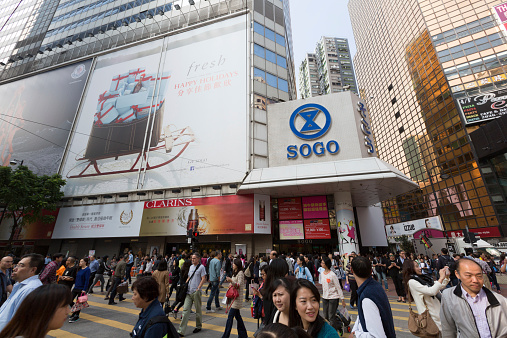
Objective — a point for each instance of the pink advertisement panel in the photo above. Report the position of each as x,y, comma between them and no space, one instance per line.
291,230
315,207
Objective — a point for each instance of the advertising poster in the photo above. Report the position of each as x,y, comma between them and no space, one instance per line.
168,113
317,229
315,207
262,214
290,208
291,230
491,232
95,221
36,230
232,214
410,227
484,107
36,116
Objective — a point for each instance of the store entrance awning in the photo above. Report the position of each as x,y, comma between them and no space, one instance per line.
369,180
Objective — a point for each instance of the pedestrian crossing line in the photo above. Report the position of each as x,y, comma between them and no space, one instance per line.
400,329
114,307
63,334
394,317
108,322
128,300
212,327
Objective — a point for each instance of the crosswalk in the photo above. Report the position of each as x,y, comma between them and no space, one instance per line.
121,318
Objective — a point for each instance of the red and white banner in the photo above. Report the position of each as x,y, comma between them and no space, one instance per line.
489,232
317,229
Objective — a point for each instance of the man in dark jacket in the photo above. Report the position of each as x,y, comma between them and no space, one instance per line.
146,297
373,304
119,276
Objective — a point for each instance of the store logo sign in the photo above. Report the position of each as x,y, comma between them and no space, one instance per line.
311,130
78,71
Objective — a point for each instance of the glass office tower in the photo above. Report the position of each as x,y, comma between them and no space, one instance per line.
415,59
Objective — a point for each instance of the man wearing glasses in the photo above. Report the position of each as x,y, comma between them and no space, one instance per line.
5,281
394,271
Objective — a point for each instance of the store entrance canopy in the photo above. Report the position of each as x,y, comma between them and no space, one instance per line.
369,180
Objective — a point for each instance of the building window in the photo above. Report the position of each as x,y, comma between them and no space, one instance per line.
397,115
270,34
401,129
270,56
271,80
258,28
259,75
393,101
280,40
390,87
259,51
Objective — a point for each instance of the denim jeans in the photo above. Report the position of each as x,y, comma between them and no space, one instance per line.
235,313
382,276
213,294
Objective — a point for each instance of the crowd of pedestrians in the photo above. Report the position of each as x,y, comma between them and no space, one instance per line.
454,290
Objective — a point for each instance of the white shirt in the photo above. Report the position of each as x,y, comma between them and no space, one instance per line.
372,319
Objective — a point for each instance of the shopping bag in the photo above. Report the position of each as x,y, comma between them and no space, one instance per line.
123,288
79,306
347,287
344,315
83,298
224,301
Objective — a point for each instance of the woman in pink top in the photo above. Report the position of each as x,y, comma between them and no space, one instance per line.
331,293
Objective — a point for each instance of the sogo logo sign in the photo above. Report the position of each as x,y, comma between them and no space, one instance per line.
311,130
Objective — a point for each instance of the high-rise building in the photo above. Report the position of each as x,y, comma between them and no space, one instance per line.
145,100
418,64
328,70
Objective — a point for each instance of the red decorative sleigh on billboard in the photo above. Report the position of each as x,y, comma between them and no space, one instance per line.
129,121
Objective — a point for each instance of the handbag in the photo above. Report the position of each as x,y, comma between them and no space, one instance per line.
122,288
422,325
79,306
347,287
247,271
83,298
231,295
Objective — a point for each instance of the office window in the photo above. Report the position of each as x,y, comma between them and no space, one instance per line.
259,75
258,28
271,80
270,34
283,85
281,61
280,40
270,56
259,51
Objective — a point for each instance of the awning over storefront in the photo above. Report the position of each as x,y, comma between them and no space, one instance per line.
369,180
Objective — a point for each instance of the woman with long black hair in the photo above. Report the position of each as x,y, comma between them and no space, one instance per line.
422,290
178,303
304,310
44,309
278,268
175,277
237,280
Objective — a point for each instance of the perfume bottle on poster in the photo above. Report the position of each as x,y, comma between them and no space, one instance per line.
262,210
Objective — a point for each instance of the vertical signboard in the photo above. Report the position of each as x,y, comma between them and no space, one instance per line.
36,116
262,214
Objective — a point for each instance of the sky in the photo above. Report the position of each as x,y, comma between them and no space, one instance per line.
316,18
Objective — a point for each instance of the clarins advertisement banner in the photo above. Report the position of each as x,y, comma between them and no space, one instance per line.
105,220
291,230
36,116
233,214
410,227
168,113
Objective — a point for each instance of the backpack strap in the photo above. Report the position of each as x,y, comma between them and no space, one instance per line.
170,330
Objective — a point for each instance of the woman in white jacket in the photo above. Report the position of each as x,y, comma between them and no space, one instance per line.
422,289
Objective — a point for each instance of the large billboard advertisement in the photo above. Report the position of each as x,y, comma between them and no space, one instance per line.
233,214
95,221
484,107
36,116
169,113
35,230
410,227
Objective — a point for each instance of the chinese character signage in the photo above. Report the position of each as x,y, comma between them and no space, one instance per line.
94,221
290,208
315,207
291,230
317,229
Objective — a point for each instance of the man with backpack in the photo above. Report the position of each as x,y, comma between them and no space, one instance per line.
446,260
